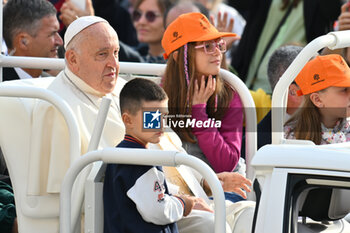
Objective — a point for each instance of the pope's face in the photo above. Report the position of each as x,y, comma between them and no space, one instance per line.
97,57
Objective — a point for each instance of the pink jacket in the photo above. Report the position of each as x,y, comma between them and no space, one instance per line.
221,146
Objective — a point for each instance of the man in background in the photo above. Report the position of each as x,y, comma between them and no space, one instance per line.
30,29
279,61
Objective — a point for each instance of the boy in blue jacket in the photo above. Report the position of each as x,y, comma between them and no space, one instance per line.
136,197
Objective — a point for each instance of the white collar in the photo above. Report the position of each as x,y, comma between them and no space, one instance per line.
93,96
22,74
81,84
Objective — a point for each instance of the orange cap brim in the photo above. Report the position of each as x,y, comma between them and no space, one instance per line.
207,37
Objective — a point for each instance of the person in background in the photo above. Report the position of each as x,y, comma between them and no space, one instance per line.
3,47
148,21
118,14
279,61
178,9
70,12
30,29
273,23
342,24
58,4
8,220
242,6
218,9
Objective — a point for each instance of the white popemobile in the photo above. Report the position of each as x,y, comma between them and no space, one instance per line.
299,187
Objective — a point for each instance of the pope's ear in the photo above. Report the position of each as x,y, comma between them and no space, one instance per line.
72,61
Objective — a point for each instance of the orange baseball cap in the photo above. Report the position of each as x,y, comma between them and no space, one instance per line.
322,72
190,27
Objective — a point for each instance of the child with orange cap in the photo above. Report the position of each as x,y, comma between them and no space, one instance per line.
325,84
194,49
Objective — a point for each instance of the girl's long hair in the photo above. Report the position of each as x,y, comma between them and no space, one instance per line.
306,122
175,85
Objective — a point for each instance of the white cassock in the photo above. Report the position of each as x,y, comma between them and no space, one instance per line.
50,140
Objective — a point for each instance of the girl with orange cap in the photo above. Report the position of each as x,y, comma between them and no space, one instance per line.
322,118
194,49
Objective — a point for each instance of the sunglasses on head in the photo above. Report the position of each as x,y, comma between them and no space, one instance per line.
150,15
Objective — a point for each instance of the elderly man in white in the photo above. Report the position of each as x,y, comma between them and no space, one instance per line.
91,72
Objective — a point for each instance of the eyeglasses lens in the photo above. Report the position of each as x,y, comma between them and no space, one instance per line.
210,46
136,15
150,16
222,46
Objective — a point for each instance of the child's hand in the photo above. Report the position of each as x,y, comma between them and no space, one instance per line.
189,203
202,94
200,204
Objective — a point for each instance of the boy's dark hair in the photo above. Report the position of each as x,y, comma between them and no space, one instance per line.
138,90
24,16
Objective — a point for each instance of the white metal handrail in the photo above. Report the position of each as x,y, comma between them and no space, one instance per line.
141,157
250,119
158,70
332,40
59,63
93,145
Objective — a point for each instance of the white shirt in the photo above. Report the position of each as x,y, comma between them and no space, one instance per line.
22,74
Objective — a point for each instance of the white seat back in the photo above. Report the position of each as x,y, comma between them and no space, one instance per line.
34,213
